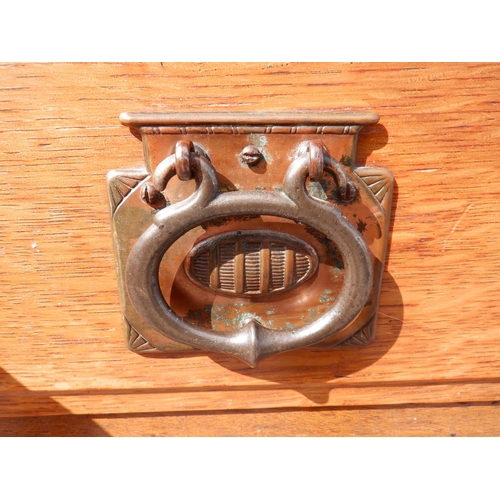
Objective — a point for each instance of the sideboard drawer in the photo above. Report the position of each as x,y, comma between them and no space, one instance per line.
434,367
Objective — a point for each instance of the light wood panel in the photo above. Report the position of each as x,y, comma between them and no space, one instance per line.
438,337
433,420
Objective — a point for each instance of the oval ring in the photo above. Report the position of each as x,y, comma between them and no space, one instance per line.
252,341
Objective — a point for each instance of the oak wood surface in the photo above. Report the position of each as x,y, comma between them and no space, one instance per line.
438,337
432,420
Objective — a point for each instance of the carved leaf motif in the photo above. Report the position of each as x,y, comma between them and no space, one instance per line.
364,336
379,183
135,341
122,182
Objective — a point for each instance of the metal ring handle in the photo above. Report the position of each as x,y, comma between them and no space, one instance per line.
253,341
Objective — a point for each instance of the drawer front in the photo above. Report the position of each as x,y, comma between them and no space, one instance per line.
437,342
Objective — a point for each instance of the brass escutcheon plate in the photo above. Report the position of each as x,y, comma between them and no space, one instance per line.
249,234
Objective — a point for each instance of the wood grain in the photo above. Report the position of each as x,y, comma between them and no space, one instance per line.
62,345
433,420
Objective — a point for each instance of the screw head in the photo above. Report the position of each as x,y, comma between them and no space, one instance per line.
251,155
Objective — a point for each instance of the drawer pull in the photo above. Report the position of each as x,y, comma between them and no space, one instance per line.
249,234
253,340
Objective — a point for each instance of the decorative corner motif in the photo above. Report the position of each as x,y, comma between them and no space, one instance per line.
121,183
362,337
379,182
135,341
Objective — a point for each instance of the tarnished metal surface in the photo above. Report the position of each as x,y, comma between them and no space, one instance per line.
216,264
